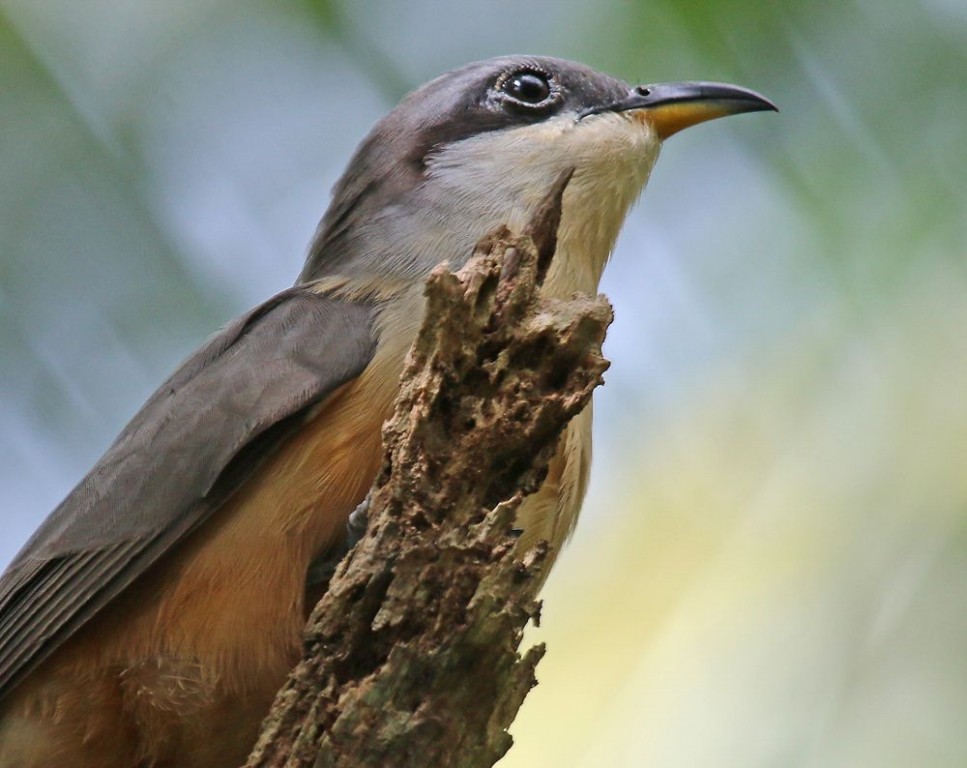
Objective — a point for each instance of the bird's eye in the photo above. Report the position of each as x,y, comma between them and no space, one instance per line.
528,87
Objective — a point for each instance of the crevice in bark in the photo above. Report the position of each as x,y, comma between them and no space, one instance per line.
412,655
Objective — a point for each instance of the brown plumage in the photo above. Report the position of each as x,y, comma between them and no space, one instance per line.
180,670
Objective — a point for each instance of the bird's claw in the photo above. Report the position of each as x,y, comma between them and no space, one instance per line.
323,567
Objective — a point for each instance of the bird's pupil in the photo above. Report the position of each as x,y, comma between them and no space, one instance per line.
529,86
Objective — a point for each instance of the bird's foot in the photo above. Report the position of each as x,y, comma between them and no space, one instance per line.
358,523
323,567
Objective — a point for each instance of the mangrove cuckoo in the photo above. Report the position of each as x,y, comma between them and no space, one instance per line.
153,615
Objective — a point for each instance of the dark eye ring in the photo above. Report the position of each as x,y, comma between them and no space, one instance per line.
528,87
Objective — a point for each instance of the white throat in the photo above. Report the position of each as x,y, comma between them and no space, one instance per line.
502,177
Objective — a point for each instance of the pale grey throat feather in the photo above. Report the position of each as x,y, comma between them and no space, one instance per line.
498,178
451,162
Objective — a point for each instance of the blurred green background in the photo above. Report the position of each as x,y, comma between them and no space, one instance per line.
771,569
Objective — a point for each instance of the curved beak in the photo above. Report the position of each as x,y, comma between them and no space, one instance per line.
670,107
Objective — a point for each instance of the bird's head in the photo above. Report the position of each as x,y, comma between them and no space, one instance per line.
480,146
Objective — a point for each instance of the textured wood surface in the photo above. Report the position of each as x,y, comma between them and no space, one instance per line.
412,656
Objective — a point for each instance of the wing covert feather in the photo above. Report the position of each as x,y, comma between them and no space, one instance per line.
190,446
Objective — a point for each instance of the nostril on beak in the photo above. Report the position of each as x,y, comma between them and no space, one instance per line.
642,90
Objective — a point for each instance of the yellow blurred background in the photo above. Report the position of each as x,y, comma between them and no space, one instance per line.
771,569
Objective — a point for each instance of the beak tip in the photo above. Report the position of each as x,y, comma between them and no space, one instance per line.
752,101
768,105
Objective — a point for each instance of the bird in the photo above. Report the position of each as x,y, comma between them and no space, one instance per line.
150,619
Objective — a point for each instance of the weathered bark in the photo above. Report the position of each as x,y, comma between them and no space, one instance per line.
411,657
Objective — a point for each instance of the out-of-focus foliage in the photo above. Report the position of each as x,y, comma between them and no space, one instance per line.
772,566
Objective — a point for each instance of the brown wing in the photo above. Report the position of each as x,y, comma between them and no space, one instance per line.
193,443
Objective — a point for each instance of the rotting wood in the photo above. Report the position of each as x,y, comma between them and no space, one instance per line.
412,655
